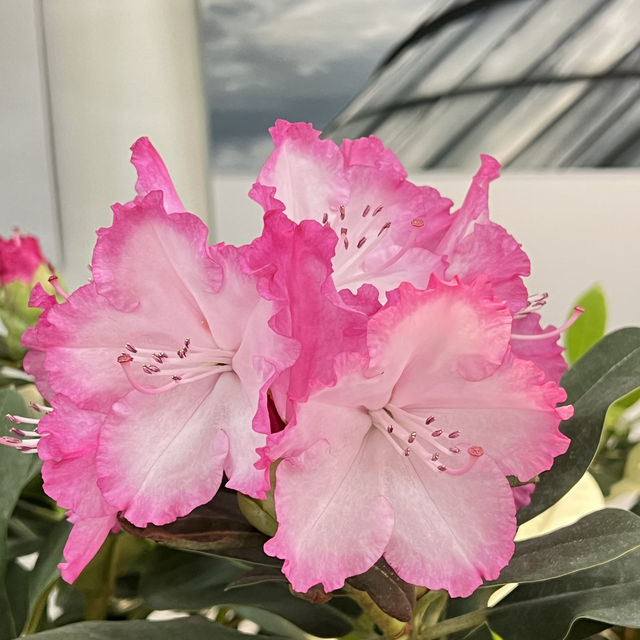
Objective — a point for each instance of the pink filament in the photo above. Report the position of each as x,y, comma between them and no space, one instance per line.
577,312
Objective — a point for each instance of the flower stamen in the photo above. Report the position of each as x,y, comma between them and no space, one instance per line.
577,312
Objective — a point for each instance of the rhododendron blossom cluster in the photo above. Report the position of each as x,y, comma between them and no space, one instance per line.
381,350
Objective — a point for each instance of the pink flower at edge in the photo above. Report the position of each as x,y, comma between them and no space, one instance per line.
20,257
391,231
411,470
167,356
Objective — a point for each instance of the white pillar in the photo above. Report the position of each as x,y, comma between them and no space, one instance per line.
118,70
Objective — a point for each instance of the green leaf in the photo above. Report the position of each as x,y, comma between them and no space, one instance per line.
216,528
192,582
192,628
604,374
393,595
608,594
595,539
589,327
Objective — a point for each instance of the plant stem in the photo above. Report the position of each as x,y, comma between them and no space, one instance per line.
390,627
459,623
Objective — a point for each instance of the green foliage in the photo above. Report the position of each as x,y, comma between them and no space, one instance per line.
589,327
604,374
595,539
192,628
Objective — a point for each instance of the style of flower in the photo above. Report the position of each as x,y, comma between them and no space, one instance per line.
406,456
20,257
160,366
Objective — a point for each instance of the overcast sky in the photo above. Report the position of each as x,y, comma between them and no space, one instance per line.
292,59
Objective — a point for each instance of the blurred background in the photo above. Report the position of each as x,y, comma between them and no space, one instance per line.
549,87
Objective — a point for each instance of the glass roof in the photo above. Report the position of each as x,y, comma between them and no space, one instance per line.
536,83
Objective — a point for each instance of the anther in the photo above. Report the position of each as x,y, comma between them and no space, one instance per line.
412,437
325,218
130,347
377,210
187,342
441,467
384,227
454,449
176,378
124,358
12,418
407,451
342,212
346,242
390,429
435,456
182,353
157,358
366,211
436,433
361,241
40,407
454,434
429,420
150,368
343,231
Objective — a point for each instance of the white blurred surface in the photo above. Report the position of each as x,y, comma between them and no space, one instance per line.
113,71
578,227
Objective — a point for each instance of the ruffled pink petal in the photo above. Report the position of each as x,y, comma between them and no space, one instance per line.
85,539
308,173
512,415
68,448
333,520
153,175
474,209
294,265
546,354
162,455
489,250
444,334
80,340
522,495
450,532
158,262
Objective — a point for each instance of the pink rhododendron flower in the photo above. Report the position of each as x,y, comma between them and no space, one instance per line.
160,366
391,231
406,456
20,257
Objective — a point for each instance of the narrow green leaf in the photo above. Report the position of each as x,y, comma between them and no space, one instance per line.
604,374
589,327
192,628
608,593
595,539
